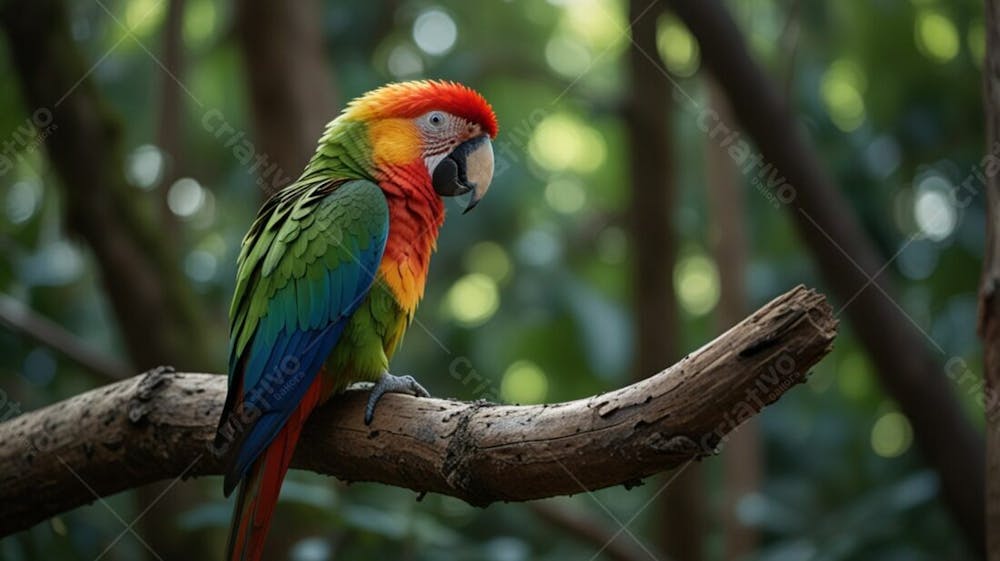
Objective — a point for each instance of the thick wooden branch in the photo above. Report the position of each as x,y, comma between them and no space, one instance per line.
160,425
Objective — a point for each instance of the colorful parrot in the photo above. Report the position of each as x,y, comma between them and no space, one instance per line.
331,271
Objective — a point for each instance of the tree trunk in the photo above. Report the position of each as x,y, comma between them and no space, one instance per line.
157,313
909,372
741,459
989,302
290,84
679,524
158,316
171,106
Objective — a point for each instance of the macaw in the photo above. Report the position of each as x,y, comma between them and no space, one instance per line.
331,272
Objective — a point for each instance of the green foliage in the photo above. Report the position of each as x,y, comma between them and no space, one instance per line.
890,97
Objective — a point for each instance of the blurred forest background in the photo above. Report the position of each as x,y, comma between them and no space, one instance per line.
620,234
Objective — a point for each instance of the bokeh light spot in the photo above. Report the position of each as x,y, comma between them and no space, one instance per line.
144,167
936,36
404,62
932,209
841,90
524,382
473,299
185,197
201,265
567,56
199,22
538,247
490,259
697,284
143,16
23,200
565,195
564,143
891,435
435,32
677,47
854,377
597,22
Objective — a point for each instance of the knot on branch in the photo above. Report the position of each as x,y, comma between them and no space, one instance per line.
462,450
678,445
151,383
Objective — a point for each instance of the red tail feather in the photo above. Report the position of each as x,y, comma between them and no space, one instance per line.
258,493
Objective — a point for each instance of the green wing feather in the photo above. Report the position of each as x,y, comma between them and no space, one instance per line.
305,265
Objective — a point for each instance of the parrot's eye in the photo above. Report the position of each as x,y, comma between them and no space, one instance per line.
436,118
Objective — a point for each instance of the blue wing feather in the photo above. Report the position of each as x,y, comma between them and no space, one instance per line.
306,315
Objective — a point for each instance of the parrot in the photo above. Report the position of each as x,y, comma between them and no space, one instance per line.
330,273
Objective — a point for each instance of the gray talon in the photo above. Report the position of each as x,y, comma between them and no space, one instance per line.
392,384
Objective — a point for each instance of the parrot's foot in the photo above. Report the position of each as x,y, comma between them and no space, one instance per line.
392,384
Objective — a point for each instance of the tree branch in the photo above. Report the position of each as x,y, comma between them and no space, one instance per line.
161,425
23,320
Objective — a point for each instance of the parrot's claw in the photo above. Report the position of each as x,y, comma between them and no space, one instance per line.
392,384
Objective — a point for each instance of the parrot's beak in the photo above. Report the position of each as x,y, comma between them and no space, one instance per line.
468,168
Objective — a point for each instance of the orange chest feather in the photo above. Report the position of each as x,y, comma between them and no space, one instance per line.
414,221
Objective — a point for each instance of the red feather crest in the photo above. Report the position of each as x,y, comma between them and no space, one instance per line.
412,99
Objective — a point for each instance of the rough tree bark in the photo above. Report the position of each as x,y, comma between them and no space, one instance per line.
908,370
741,462
290,85
989,300
680,520
161,425
142,276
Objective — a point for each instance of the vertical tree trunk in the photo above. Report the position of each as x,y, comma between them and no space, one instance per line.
989,300
171,105
159,317
908,370
290,83
741,459
654,255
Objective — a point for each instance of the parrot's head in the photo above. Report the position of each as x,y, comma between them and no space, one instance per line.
438,127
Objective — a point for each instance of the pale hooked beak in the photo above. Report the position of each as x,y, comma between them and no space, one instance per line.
469,167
